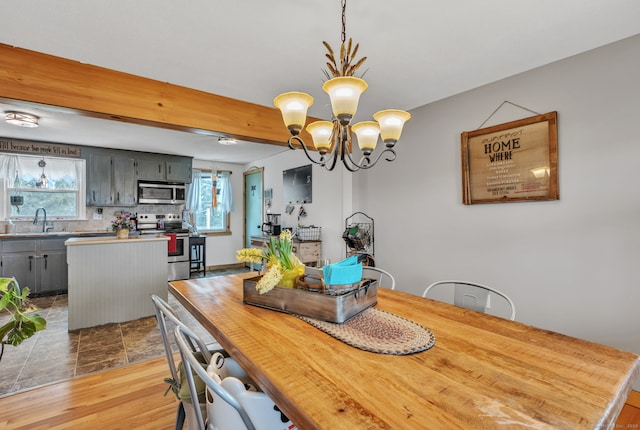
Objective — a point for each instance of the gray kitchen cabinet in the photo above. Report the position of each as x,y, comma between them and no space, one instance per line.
112,174
164,168
99,179
40,264
124,181
18,261
151,169
111,179
179,170
52,269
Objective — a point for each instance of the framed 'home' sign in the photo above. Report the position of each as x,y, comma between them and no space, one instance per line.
512,162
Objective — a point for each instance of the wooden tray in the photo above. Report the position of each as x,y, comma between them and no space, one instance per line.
331,308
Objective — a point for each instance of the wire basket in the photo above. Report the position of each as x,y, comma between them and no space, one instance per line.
358,236
309,233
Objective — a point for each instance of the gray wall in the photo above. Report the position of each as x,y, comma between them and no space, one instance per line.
570,265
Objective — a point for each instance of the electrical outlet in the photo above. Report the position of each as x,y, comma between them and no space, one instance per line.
97,216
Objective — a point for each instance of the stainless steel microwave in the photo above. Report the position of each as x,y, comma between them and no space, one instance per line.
169,193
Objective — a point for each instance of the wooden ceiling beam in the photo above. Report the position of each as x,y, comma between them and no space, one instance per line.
33,77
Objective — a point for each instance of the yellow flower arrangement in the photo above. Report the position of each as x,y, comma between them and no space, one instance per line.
280,262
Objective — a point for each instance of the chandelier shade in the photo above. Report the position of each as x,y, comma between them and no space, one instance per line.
321,132
367,132
294,106
391,122
332,139
344,93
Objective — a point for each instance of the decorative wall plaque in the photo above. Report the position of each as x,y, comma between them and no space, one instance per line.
511,162
38,148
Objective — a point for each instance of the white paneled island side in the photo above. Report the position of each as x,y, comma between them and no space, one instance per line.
112,280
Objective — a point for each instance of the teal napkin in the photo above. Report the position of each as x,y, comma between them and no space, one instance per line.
347,271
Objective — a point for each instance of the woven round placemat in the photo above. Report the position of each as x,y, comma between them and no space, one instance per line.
378,331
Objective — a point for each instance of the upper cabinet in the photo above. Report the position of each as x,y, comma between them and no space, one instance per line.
124,181
99,180
151,169
164,168
179,170
112,175
111,179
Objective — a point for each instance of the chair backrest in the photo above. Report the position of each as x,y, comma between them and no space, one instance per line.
384,278
472,296
165,313
166,316
185,338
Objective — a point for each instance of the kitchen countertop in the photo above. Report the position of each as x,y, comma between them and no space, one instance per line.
265,238
41,235
112,239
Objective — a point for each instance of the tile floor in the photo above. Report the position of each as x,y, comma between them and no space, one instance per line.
55,354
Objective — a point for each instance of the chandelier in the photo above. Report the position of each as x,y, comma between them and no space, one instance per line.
332,139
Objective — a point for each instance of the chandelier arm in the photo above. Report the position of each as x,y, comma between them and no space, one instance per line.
304,147
353,163
347,161
330,164
390,157
350,165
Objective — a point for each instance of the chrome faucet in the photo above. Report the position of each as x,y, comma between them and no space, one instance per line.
44,221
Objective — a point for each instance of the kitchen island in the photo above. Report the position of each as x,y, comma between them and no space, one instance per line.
111,280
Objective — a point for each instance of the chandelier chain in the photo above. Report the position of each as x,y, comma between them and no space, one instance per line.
344,21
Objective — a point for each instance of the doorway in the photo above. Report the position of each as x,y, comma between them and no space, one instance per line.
253,189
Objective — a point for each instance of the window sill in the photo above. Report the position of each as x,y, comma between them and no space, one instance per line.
214,233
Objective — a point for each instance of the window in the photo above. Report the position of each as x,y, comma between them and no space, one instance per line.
31,182
207,201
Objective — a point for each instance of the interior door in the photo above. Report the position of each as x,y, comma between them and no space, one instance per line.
253,189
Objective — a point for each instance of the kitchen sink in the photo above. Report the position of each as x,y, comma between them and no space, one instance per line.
57,233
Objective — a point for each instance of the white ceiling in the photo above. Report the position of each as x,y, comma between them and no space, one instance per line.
418,52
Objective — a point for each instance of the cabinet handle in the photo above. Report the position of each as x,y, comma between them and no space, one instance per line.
118,196
169,168
94,196
45,261
30,260
159,168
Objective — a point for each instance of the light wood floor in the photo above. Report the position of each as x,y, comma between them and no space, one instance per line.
131,397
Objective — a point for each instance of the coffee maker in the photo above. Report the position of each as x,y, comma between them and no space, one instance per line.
272,226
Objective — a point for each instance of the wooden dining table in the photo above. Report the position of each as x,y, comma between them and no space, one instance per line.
483,372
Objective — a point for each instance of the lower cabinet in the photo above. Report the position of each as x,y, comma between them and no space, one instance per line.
40,264
307,251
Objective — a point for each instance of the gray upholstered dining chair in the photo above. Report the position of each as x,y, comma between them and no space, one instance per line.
233,403
472,296
166,316
384,278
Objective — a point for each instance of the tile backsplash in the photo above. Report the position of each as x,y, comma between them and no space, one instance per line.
90,224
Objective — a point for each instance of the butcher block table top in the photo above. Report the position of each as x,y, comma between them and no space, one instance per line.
483,372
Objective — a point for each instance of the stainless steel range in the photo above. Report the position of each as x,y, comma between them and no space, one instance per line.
178,246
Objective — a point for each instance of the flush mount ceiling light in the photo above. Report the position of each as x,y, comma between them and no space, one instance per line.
332,139
227,141
21,119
